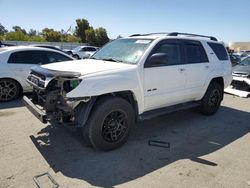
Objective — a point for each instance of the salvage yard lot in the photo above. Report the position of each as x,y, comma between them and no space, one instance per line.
204,151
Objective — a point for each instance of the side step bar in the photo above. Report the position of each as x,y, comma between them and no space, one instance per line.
166,110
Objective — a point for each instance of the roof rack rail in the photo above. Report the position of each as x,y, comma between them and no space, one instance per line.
190,34
147,34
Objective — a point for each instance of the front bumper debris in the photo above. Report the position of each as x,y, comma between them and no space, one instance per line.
35,110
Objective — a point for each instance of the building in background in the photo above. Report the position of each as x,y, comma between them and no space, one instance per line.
239,46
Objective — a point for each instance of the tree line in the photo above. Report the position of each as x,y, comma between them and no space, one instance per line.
82,32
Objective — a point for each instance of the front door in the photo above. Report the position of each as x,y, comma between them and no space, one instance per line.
165,84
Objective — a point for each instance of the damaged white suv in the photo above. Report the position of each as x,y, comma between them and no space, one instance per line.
138,77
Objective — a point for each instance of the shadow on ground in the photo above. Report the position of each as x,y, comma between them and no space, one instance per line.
12,104
190,134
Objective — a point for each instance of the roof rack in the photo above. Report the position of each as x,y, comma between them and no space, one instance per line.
147,34
176,34
190,34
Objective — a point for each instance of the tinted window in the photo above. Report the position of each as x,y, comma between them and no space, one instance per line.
172,50
83,50
219,50
56,57
195,52
89,49
27,57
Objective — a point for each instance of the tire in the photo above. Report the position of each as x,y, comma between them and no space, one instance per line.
211,101
9,90
109,124
76,56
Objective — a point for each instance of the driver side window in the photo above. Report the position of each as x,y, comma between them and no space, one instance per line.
172,51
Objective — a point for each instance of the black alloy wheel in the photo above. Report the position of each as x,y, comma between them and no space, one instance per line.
114,126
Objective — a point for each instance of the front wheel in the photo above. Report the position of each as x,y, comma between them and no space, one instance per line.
211,101
109,124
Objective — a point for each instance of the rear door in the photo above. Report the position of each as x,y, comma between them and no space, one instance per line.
197,67
21,62
165,84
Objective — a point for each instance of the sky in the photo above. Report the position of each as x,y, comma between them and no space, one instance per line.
228,20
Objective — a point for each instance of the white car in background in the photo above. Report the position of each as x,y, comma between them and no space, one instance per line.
15,64
82,52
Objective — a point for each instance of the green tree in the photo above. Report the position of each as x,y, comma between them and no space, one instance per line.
51,35
81,26
2,30
16,36
32,32
90,36
18,28
101,36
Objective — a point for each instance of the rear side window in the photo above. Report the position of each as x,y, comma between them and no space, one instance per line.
89,49
195,52
27,57
56,57
219,50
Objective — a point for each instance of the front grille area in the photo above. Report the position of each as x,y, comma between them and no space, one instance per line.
237,74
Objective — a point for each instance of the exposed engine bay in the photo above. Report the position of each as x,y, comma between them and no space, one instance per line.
49,93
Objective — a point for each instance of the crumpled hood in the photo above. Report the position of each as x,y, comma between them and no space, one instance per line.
242,69
86,66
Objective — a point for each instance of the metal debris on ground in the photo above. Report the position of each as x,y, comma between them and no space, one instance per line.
158,143
45,180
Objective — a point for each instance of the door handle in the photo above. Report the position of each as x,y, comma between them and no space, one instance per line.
181,69
207,67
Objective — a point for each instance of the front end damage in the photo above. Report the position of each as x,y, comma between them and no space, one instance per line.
48,101
240,85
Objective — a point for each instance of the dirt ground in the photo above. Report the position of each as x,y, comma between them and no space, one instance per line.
204,151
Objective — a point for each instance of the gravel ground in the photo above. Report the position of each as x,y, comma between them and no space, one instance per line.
204,151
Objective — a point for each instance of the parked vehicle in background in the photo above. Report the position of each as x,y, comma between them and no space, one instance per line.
82,52
15,64
138,77
240,85
47,46
234,59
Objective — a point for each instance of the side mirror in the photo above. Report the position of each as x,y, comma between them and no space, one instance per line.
157,59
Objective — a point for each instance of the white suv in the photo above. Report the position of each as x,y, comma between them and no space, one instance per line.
137,77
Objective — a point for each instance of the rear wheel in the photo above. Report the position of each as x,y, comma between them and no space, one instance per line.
109,124
9,89
211,101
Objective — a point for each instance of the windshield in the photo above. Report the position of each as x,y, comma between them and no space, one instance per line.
245,61
123,50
